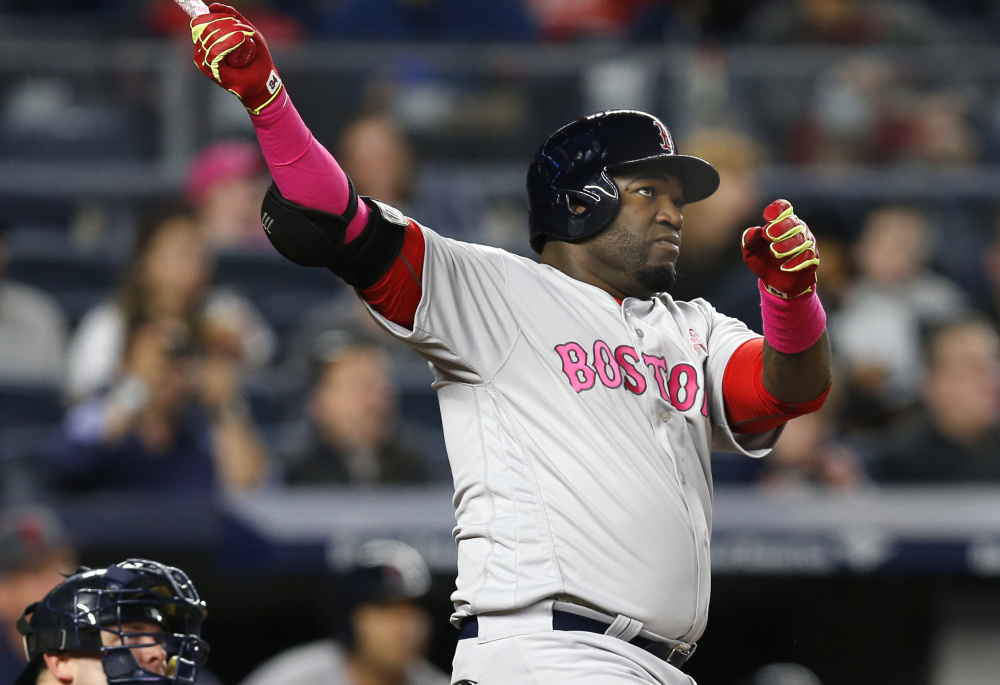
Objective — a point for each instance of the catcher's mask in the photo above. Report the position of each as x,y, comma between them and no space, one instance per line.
110,601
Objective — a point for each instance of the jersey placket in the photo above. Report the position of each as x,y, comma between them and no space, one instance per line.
647,340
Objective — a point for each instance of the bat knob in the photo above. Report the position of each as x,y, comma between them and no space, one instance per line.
243,55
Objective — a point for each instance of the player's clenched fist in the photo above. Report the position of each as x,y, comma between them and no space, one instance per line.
225,31
783,252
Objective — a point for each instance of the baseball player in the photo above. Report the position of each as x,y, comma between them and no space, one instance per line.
580,402
378,630
137,622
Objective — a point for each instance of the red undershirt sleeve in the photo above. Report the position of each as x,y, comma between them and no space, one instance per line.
750,408
397,294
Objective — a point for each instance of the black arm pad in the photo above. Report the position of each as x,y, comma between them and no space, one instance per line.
364,260
310,237
306,236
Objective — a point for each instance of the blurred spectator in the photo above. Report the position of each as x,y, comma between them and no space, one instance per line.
877,331
33,331
954,437
428,20
988,295
378,155
711,264
566,20
167,274
35,551
865,112
844,22
225,184
175,421
379,632
350,430
940,133
852,103
344,311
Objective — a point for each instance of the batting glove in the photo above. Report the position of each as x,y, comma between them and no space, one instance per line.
782,253
224,32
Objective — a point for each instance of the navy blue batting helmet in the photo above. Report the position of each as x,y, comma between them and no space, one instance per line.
573,165
90,604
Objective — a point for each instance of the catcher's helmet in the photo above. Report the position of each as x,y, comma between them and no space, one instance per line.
73,616
574,164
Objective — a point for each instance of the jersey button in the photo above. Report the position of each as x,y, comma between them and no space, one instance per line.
639,332
664,416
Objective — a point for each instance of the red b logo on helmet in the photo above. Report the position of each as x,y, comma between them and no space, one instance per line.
666,142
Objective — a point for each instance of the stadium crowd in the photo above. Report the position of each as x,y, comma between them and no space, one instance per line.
181,352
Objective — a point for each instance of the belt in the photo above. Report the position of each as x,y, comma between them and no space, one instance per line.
675,653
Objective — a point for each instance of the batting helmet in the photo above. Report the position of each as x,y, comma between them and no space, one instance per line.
574,165
75,614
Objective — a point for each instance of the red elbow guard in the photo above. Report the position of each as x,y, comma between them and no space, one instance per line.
750,408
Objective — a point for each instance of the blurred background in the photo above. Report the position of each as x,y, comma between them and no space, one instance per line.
170,387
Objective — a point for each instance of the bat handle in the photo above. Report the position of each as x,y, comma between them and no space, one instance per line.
238,58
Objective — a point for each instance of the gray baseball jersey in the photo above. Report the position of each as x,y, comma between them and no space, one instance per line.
579,432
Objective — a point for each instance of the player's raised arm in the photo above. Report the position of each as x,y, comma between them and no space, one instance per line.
796,354
311,213
788,373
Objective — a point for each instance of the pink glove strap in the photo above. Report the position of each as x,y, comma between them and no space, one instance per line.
791,326
304,171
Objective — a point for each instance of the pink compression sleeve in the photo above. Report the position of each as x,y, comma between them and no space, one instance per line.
304,171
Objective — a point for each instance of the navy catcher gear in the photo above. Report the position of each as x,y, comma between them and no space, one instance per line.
573,165
73,616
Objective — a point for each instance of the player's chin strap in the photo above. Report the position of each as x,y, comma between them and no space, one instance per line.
310,237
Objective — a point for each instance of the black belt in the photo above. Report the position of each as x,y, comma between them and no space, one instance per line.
564,620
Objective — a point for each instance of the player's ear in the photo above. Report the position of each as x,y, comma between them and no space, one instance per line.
61,666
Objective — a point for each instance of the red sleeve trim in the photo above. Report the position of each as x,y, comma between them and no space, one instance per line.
397,294
750,408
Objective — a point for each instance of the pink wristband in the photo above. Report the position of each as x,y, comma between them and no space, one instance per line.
794,325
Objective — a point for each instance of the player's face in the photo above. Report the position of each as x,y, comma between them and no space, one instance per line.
142,639
638,252
390,635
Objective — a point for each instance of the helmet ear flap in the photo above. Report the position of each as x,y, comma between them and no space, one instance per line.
579,201
599,201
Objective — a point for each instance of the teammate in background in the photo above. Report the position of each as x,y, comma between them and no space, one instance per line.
580,402
136,621
35,555
378,630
